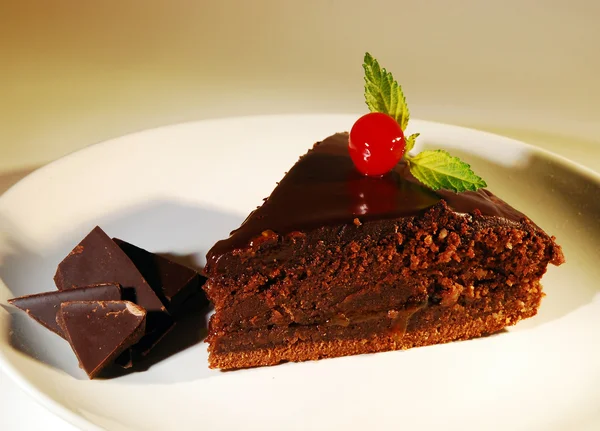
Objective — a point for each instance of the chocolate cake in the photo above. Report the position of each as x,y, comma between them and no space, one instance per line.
335,263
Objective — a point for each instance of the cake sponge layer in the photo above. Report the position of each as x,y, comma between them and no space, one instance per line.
378,266
394,330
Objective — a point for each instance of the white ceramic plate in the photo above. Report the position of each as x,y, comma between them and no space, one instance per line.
178,189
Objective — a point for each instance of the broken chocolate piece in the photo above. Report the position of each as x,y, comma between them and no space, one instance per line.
44,307
98,259
99,331
172,282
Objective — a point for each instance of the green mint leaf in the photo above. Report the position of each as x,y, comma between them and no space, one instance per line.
410,142
382,92
439,170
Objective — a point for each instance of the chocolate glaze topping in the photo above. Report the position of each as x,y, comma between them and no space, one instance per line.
324,188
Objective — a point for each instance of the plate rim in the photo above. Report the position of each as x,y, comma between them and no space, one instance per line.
59,409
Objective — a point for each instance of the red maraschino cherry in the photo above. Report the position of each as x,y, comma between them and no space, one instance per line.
376,144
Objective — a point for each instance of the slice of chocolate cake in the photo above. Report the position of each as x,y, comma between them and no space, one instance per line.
335,263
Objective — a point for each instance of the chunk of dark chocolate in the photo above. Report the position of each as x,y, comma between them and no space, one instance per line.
98,259
172,282
99,331
44,307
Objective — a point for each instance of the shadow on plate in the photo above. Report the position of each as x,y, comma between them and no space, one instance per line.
189,330
182,232
189,260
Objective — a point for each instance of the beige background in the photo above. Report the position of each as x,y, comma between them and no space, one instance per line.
75,72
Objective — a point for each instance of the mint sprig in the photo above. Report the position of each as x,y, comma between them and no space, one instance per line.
382,92
439,170
410,141
436,169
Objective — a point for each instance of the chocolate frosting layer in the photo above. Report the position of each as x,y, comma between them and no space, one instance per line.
324,188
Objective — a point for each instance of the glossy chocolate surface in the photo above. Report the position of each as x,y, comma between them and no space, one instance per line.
324,189
99,331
